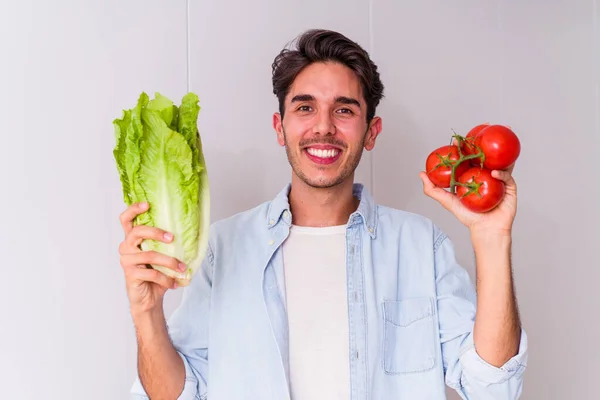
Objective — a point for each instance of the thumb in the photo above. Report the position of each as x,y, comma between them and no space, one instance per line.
442,196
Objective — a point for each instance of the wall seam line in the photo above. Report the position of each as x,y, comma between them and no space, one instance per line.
596,44
187,45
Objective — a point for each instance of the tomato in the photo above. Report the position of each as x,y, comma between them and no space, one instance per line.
500,145
484,192
439,165
475,131
468,146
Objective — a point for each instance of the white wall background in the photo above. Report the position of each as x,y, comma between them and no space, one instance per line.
68,68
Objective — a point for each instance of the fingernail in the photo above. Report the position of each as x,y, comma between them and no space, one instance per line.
168,236
143,205
182,266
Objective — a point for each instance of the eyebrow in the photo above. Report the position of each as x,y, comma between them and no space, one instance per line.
347,100
339,99
303,97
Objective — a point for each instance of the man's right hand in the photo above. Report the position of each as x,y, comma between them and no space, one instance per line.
146,286
161,370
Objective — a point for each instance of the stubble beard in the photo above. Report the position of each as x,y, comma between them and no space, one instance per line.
321,183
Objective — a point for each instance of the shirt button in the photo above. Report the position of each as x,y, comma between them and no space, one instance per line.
271,222
371,229
271,242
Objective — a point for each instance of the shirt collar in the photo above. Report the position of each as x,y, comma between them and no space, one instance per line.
366,213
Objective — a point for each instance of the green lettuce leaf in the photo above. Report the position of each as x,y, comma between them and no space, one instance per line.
159,158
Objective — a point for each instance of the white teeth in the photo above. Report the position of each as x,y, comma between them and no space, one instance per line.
323,153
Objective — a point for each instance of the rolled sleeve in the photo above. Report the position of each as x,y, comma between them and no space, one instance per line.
190,389
477,369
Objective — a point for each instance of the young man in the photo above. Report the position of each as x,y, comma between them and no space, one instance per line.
320,293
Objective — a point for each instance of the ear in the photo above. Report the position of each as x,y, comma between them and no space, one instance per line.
374,131
278,126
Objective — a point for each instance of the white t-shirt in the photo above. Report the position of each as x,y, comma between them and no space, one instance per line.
315,278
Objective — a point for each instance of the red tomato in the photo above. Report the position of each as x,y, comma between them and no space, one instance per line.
468,147
439,165
485,191
500,145
473,132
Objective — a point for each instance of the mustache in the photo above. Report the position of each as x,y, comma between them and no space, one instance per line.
329,141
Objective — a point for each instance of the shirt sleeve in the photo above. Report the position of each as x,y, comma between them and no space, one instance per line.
465,371
188,331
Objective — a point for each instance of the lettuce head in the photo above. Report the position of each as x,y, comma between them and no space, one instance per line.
159,158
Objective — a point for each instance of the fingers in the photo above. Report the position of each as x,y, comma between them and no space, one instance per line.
142,232
129,215
509,182
140,275
135,260
504,176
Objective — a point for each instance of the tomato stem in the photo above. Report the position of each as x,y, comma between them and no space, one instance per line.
462,158
473,188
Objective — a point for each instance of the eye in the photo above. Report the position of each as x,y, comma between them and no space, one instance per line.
345,111
304,108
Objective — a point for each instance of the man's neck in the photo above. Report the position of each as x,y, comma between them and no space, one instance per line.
322,207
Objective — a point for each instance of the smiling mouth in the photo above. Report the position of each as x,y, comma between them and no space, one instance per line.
323,156
323,153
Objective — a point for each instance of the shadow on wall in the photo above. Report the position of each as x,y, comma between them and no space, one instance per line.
246,179
398,158
538,264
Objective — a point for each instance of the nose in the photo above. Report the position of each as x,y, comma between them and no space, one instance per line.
324,124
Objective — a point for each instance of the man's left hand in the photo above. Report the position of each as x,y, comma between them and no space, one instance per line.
497,221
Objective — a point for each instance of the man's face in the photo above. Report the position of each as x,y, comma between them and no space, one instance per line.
324,128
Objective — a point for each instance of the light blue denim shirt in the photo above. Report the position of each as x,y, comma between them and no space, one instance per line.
411,310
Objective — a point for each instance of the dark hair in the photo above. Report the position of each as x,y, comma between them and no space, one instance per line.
320,45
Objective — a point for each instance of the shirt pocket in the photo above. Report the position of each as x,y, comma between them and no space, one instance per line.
409,335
